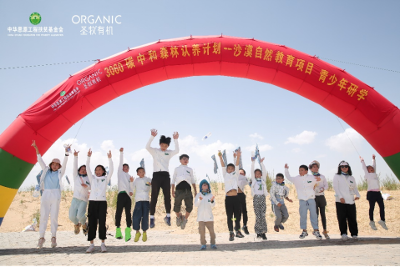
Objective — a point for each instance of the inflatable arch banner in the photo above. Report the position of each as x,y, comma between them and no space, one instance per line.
358,104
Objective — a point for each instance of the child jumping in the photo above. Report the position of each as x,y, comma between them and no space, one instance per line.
232,201
242,182
305,184
51,183
320,200
97,211
374,193
204,202
182,178
140,215
80,198
279,192
259,192
345,188
124,200
161,177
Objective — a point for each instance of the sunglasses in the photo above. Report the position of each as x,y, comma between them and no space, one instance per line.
344,166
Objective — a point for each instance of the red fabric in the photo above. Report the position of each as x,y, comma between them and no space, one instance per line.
47,119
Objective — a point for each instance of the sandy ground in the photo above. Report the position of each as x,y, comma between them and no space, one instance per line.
24,206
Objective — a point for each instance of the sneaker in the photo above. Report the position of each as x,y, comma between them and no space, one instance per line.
383,224
281,227
152,223
276,228
245,230
178,221
325,233
144,238
213,246
53,242
345,237
231,236
127,234
118,234
85,229
103,247
355,238
264,237
90,249
239,234
317,235
184,221
203,247
167,220
77,229
372,224
137,236
40,243
303,235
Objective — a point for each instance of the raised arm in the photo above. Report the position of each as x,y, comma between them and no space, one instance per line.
65,161
148,147
222,163
88,170
176,150
121,161
287,174
252,170
75,168
374,162
364,167
110,166
39,157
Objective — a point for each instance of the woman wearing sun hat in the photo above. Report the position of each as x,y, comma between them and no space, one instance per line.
51,183
345,188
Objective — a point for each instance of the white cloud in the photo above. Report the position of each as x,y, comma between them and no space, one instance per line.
256,135
343,142
305,137
264,148
296,150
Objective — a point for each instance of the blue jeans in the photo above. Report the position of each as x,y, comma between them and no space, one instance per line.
77,211
141,213
311,206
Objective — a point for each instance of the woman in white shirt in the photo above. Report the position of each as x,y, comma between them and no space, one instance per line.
345,188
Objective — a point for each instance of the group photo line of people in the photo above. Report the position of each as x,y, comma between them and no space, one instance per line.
88,208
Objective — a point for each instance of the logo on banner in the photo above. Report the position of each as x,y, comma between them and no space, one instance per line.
35,18
99,25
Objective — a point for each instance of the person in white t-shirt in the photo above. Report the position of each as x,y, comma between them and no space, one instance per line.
374,193
205,201
161,178
140,216
345,188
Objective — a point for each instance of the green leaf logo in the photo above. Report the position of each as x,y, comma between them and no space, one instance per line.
62,93
308,181
166,154
35,18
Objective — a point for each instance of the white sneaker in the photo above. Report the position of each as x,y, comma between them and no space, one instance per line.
40,243
103,247
383,224
345,237
355,238
317,235
90,249
303,235
53,242
372,224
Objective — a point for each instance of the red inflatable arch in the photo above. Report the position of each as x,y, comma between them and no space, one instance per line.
359,105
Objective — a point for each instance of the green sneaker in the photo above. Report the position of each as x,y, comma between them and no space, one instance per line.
144,238
127,234
137,236
118,234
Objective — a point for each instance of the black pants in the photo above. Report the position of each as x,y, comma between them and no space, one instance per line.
160,180
232,207
320,203
124,201
97,211
373,197
243,208
347,214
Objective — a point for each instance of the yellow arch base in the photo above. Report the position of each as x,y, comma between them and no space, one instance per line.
6,197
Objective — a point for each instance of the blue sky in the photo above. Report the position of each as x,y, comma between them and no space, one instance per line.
238,112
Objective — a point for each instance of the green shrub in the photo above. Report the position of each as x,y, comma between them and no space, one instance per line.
390,183
362,185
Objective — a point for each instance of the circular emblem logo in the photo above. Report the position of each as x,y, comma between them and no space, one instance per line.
62,93
35,18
